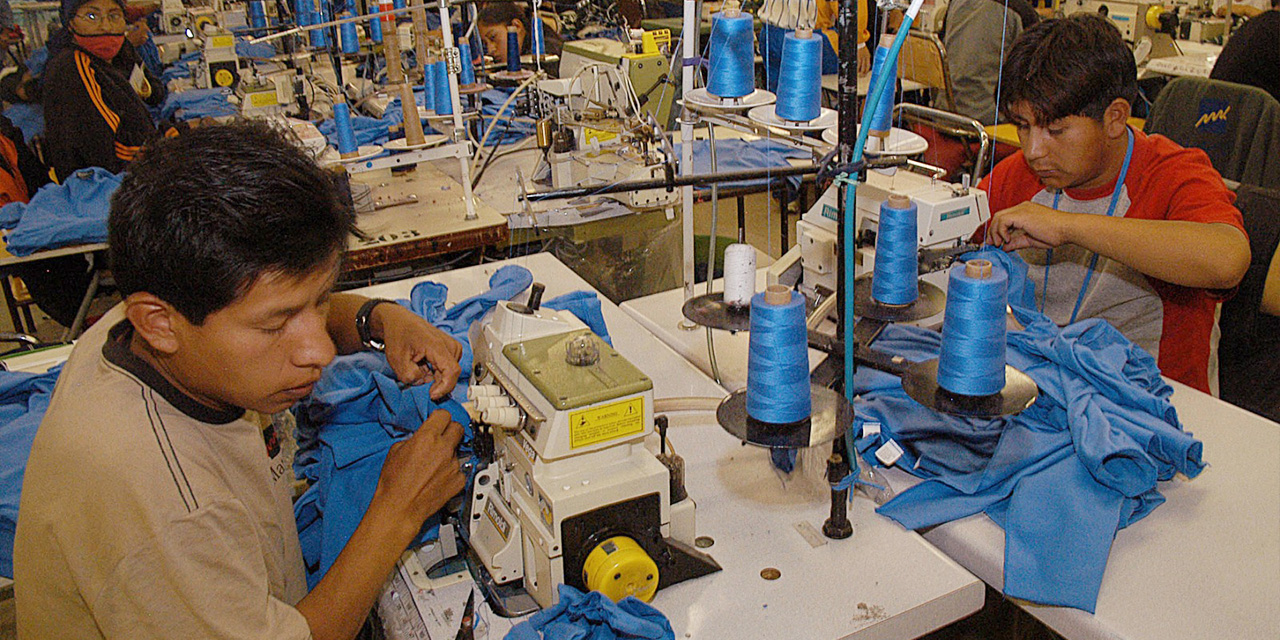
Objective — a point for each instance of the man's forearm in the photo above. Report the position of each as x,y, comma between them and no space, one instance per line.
1192,254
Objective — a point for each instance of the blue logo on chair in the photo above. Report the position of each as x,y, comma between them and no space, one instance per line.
1213,115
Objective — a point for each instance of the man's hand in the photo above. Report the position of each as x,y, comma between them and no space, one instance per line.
1029,226
421,474
864,60
416,350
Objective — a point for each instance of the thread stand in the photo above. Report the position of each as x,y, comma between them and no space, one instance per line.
702,100
930,302
710,310
920,381
831,415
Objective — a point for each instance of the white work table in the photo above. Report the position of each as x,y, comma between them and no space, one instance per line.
884,582
1204,564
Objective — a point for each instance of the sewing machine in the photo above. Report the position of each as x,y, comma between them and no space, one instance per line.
573,491
174,19
601,59
948,216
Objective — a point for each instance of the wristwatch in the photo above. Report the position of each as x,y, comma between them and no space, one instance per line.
362,324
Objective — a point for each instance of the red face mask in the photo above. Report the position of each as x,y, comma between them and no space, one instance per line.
104,46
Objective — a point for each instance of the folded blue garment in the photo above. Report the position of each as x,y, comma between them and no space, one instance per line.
368,130
358,410
74,212
197,103
262,50
737,155
1061,477
24,397
592,616
29,117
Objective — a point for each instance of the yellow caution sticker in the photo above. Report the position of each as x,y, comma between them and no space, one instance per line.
263,99
598,135
601,424
216,42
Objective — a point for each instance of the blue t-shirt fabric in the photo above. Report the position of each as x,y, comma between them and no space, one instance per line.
1062,477
24,398
593,616
60,215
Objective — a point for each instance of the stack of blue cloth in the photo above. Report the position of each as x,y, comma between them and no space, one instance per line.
1062,477
193,104
24,398
358,411
59,215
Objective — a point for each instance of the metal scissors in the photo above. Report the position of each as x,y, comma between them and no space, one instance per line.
467,630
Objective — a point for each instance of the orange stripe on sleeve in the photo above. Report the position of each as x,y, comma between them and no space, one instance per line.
90,80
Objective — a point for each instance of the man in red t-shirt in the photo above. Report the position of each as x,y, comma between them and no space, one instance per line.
1114,224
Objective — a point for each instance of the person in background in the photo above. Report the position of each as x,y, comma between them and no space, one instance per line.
495,17
976,34
174,519
1243,8
1252,55
1114,224
780,17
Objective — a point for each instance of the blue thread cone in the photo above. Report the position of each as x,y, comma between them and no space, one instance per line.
881,65
778,362
468,66
971,361
731,73
444,99
513,51
346,135
896,276
347,35
800,79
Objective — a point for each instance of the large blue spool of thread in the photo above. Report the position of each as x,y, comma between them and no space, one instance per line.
429,85
778,358
258,14
800,79
375,27
881,120
539,42
302,10
320,37
399,4
732,53
444,99
513,50
347,35
972,358
346,135
468,68
895,279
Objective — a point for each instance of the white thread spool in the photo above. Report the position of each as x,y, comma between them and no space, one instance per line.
739,274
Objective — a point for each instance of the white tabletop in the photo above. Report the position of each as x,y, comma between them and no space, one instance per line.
884,582
1204,564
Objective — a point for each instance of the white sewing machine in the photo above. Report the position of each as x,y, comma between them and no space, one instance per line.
948,214
575,492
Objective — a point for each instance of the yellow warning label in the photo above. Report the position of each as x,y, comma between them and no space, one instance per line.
263,99
601,424
599,135
217,41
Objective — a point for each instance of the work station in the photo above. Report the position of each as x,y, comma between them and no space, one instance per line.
681,319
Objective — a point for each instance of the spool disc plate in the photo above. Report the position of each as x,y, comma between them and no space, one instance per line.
901,142
402,144
700,100
710,310
366,151
764,115
475,87
921,383
434,118
930,302
831,415
511,76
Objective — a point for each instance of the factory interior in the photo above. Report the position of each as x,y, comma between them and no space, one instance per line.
661,319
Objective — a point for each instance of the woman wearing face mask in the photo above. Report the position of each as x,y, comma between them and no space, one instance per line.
94,106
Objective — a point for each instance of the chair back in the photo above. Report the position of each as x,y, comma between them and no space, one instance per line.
1249,349
1237,125
923,59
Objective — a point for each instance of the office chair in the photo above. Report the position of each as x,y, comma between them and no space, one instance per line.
1249,349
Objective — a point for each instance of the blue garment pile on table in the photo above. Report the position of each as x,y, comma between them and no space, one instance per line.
246,49
737,155
24,397
29,117
1062,477
358,410
593,616
198,103
180,68
59,215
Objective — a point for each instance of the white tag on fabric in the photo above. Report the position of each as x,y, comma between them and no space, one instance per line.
889,453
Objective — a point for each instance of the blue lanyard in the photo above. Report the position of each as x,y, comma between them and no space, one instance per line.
1093,262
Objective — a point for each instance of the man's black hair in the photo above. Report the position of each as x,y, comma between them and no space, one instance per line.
200,217
1073,66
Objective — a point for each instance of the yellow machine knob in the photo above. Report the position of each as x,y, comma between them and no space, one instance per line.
1153,16
618,567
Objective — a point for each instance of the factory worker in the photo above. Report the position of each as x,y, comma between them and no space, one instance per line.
154,504
1115,224
494,19
1252,55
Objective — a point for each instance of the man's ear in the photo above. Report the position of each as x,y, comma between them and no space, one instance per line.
1115,119
154,320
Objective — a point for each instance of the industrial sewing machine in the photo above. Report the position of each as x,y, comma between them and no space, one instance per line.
575,490
948,214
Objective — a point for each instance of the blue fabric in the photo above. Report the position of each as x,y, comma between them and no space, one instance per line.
198,103
593,616
150,55
1061,477
29,117
24,397
181,68
262,50
736,155
74,212
358,410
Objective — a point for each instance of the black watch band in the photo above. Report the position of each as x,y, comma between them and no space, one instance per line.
362,324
